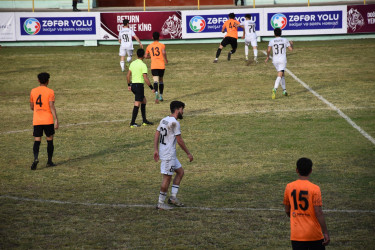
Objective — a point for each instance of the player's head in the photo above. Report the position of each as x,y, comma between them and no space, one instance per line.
277,32
232,15
177,105
125,22
43,78
248,16
156,35
304,166
140,53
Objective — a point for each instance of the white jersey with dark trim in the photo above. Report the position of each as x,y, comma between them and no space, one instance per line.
279,45
249,29
126,37
169,128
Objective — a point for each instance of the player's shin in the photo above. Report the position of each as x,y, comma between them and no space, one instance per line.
36,149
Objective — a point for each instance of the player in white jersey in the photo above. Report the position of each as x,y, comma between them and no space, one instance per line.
278,46
166,136
125,38
250,36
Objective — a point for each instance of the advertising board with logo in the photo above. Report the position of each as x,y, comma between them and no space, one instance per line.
57,26
307,20
208,24
7,27
361,18
167,23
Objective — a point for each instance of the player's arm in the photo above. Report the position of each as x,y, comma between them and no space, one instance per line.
156,145
128,77
32,106
223,29
54,114
165,56
147,54
320,216
268,53
291,46
147,81
181,143
139,41
287,210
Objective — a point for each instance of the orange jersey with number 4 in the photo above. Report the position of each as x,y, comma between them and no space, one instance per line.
232,30
302,196
155,50
41,96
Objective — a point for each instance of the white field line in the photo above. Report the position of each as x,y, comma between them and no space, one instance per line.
333,107
153,206
205,114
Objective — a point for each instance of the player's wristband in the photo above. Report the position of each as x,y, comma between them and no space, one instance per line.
152,88
129,84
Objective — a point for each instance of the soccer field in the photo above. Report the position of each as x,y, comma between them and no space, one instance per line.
104,190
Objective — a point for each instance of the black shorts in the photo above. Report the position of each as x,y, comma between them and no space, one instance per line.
157,72
138,91
49,130
311,245
229,40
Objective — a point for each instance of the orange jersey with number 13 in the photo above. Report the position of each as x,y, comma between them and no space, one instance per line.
41,96
155,50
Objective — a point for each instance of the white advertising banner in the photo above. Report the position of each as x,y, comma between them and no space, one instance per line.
306,20
208,23
7,27
57,26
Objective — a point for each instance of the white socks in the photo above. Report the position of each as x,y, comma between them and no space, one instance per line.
277,82
283,83
174,190
162,197
122,64
246,51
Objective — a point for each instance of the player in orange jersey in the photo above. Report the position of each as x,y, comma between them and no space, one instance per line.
42,102
303,204
156,51
231,26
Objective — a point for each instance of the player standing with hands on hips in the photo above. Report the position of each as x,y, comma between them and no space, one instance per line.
278,46
42,102
125,38
303,204
166,136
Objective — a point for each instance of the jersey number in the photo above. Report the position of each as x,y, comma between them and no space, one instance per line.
252,29
125,37
156,51
163,135
39,101
301,198
278,49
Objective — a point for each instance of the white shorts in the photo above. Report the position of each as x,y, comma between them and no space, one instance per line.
279,66
124,52
169,166
253,42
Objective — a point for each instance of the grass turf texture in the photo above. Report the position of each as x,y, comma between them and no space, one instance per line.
245,146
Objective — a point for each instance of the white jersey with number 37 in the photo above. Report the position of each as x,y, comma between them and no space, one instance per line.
169,128
279,46
126,37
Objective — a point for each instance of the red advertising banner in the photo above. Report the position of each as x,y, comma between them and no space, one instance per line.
361,18
168,24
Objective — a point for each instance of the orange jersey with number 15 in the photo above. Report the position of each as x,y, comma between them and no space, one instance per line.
302,196
155,50
41,96
232,30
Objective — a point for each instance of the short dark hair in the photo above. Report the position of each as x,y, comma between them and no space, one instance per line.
232,15
43,77
125,22
248,16
156,35
176,105
304,166
277,32
140,53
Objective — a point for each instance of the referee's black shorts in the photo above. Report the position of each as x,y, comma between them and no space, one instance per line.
229,40
138,91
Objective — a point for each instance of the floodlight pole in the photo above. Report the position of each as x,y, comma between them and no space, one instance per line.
33,5
198,5
308,3
253,3
88,5
144,5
